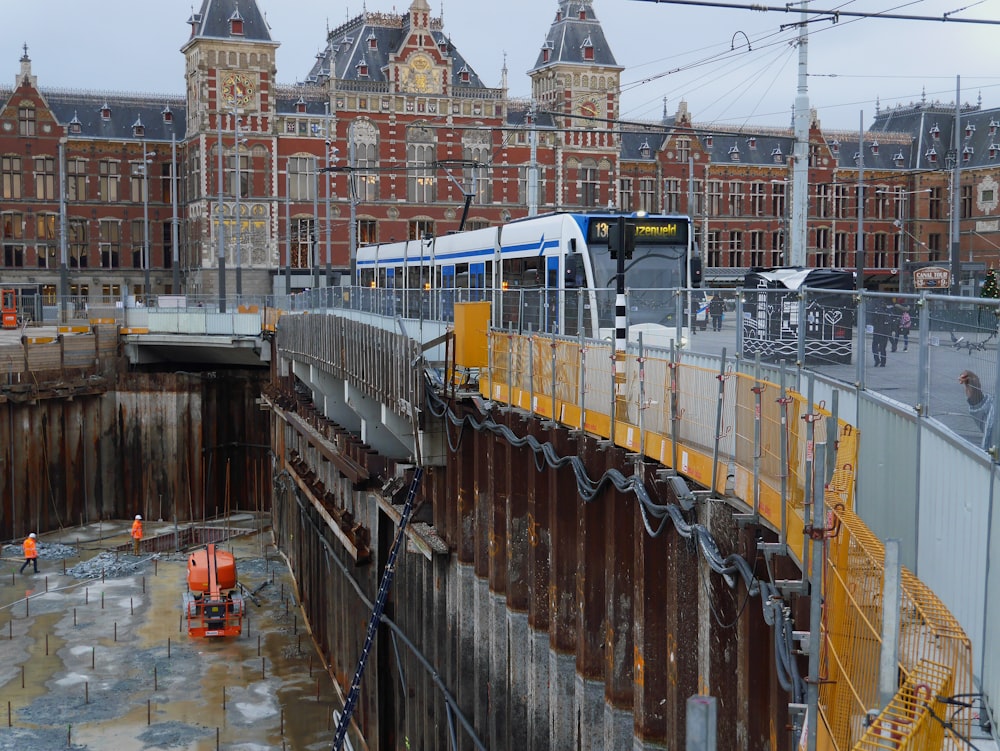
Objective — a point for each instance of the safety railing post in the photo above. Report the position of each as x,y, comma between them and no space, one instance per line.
718,418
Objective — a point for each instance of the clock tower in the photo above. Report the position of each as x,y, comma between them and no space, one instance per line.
230,70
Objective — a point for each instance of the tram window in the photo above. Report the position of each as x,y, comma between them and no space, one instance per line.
523,272
576,275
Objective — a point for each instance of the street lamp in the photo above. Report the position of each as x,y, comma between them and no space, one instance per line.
139,130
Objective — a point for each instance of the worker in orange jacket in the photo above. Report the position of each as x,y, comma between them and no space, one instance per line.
30,553
136,534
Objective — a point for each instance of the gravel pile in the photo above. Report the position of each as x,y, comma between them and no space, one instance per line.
46,551
111,566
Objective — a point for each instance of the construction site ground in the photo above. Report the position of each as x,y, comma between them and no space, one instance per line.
102,659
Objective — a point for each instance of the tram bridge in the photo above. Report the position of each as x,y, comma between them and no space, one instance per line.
588,555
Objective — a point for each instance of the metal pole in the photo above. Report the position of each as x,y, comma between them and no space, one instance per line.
147,292
818,549
288,231
956,189
352,231
800,169
314,240
237,191
860,244
63,271
175,220
326,183
221,239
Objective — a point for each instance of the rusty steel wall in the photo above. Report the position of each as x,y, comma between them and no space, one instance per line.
554,623
159,444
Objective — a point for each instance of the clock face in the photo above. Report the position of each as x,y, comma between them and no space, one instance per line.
589,108
237,89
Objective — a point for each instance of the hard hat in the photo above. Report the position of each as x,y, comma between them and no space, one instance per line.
32,535
138,517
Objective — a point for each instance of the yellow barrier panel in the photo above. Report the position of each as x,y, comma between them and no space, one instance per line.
673,408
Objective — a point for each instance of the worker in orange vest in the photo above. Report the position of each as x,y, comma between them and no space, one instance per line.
30,553
136,534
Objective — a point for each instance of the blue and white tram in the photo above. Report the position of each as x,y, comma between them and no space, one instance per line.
552,273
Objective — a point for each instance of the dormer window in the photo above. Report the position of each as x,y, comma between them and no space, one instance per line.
899,159
967,153
362,68
588,49
857,157
583,14
645,150
463,75
168,115
931,155
874,148
106,112
935,132
835,147
776,155
970,128
75,126
372,41
236,23
994,148
546,52
752,142
558,16
708,142
993,127
138,129
300,106
734,153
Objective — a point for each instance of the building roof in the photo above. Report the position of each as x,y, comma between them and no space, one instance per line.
213,21
368,42
575,27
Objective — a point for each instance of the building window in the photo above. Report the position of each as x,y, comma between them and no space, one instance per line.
714,197
420,160
418,228
647,195
757,248
367,231
243,169
110,244
935,205
12,234
194,175
10,173
841,196
684,149
138,243
107,184
168,246
713,247
965,202
823,239
778,246
823,201
735,198
779,202
77,240
301,178
735,259
138,184
45,178
672,195
476,147
625,194
302,233
590,194
26,120
757,201
366,185
934,246
76,179
880,244
45,234
843,251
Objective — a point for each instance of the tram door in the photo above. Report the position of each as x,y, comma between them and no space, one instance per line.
552,301
477,281
448,293
389,304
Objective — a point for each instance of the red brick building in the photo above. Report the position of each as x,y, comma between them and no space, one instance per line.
393,107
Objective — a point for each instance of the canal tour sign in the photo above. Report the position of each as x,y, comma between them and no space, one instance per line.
931,277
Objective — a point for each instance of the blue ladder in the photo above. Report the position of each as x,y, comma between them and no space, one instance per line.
383,594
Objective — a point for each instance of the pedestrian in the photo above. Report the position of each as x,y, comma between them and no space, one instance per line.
136,534
30,553
905,324
894,321
881,325
716,309
981,406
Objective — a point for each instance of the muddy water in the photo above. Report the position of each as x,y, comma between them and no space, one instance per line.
121,672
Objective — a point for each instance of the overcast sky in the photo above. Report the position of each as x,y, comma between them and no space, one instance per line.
731,66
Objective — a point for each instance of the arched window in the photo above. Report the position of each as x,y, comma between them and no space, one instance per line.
476,147
420,160
365,136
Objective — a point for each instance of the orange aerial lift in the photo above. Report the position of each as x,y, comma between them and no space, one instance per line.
8,308
213,608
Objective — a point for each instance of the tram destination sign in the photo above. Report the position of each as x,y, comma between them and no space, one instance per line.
931,277
645,231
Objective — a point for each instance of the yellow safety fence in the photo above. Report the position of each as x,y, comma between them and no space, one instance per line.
668,410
